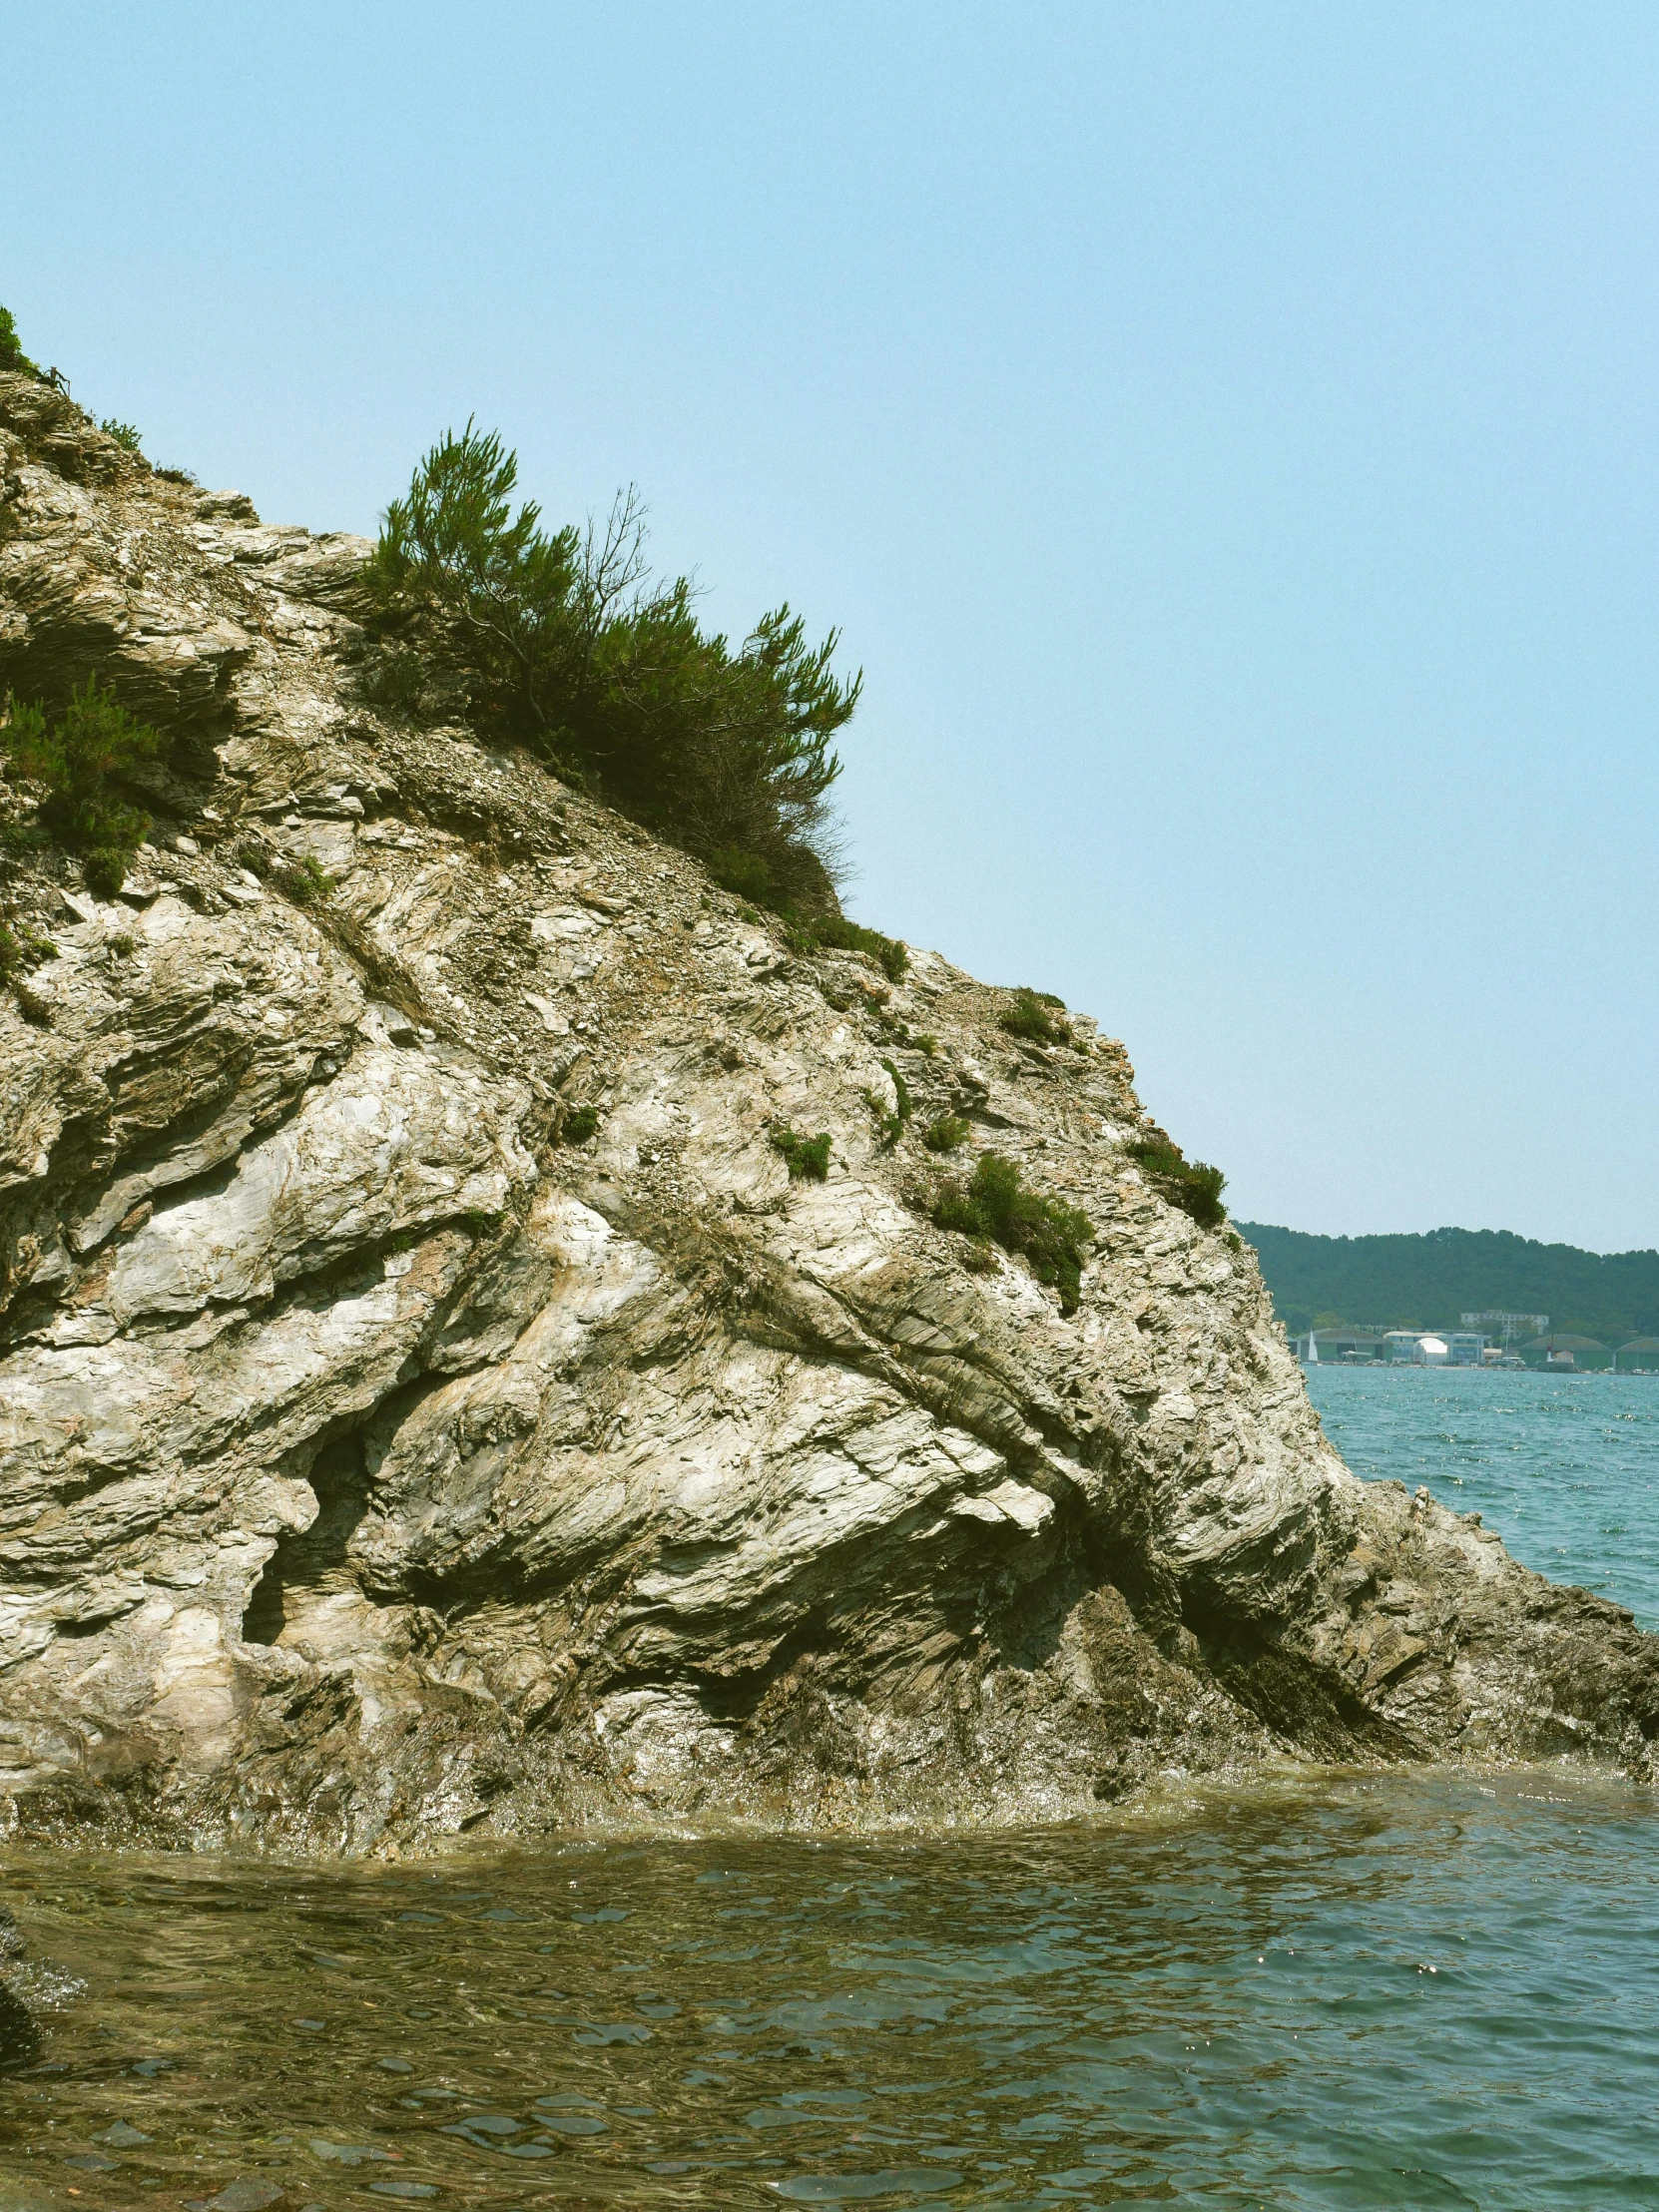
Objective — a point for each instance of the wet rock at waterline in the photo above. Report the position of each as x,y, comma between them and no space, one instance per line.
378,1466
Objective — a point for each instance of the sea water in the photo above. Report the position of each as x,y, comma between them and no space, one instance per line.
1564,1468
1342,1990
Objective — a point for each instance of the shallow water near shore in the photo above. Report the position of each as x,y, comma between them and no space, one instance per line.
1333,1990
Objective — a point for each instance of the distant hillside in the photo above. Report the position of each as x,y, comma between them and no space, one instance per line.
1426,1282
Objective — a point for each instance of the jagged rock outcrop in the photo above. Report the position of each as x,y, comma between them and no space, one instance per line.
377,1462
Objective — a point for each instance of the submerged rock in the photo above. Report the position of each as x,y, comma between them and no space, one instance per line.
377,1467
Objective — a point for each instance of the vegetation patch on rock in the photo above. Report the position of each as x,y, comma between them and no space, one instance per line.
806,1157
1033,1016
565,642
1190,1184
996,1204
12,355
80,757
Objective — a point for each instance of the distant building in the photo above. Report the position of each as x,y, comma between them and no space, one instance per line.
1640,1355
1348,1347
1429,1347
1565,1354
1423,1347
1508,1328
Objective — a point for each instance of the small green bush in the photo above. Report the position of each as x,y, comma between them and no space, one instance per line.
22,949
901,1091
841,935
804,1156
744,874
1189,1184
890,1125
12,355
307,880
123,434
749,878
581,1123
1029,1016
78,757
929,1046
946,1133
997,1203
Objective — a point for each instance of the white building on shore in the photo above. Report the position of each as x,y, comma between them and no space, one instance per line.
1418,1348
1428,1347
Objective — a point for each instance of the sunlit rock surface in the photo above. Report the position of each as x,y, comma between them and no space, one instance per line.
377,1465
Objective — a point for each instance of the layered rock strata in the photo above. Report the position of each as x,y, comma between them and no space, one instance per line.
376,1463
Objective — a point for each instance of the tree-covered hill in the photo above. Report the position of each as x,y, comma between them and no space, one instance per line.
1427,1281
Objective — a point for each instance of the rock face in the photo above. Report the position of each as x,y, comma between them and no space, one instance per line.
378,1463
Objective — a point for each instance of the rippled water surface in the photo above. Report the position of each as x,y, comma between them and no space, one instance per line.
1409,1989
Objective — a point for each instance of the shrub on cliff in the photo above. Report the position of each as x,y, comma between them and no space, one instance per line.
997,1203
1189,1184
1031,1017
81,758
804,1156
12,355
566,643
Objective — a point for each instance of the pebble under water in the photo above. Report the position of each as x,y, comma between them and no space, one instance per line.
1332,1991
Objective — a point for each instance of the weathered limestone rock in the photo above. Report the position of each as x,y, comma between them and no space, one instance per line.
374,1464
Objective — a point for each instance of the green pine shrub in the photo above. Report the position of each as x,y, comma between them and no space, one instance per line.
946,1133
566,643
581,1123
1030,1016
804,1156
81,757
1189,1184
12,355
123,434
998,1206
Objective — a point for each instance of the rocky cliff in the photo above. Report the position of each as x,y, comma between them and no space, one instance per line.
382,1456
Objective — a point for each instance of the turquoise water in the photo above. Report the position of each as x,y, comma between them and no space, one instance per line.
1347,1991
1564,1468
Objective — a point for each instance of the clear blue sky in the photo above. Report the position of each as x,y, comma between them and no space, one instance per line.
1225,434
